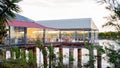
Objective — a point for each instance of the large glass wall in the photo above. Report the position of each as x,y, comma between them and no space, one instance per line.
51,35
17,35
80,35
33,34
68,36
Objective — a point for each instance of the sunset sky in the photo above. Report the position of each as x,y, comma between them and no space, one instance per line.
64,9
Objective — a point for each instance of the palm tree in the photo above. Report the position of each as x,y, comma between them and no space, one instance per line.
7,11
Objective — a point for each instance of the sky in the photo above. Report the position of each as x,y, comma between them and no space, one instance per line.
64,9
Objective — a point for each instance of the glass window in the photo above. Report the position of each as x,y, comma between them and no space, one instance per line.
17,34
52,35
33,34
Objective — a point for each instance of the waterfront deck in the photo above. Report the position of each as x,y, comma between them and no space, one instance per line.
55,44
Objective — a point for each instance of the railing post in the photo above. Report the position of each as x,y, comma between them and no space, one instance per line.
75,35
44,33
60,37
89,36
25,36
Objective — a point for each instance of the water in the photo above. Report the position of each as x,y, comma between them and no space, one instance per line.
66,54
108,43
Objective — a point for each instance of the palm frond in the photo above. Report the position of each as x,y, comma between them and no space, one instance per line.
15,1
109,24
9,14
15,8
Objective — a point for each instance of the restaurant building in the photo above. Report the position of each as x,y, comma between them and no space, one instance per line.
24,31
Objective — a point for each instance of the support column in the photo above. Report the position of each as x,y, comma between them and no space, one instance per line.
94,34
44,50
79,58
83,36
99,60
4,55
34,52
71,57
75,35
60,37
61,56
89,36
44,32
25,36
60,50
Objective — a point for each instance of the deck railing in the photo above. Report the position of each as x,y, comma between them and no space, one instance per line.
18,41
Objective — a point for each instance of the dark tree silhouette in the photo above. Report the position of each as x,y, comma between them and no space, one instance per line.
7,11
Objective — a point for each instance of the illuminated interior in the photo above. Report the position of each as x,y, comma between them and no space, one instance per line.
18,35
34,33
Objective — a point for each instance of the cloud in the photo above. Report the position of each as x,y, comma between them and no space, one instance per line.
38,3
50,3
62,9
65,1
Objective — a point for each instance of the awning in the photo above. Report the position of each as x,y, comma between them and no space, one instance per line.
21,23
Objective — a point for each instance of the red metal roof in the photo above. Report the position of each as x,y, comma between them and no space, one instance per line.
21,23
